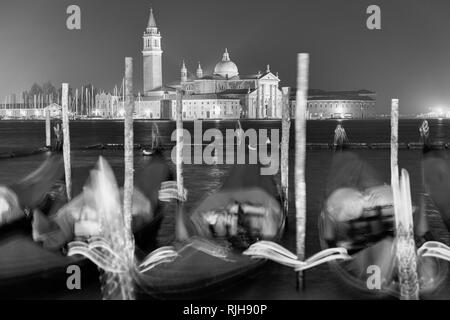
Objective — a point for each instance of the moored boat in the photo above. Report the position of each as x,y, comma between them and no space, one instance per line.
33,248
22,259
358,215
246,209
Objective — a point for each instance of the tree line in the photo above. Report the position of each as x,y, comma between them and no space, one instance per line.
40,96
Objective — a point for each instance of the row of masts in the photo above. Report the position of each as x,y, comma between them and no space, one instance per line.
81,102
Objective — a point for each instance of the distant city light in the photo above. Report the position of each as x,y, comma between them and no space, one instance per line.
438,111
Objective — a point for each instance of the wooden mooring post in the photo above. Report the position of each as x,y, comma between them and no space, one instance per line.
180,143
48,136
126,281
405,245
300,158
394,143
285,129
181,232
76,102
66,138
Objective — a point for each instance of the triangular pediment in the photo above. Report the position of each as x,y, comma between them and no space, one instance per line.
269,76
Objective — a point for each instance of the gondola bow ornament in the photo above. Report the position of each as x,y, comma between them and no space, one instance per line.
434,249
406,248
101,253
275,252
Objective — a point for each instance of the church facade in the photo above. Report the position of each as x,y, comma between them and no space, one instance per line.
223,94
259,94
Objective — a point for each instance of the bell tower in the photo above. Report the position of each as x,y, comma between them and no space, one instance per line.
183,72
152,55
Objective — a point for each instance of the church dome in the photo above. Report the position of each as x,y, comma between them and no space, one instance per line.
226,68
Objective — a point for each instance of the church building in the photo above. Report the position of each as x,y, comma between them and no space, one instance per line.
223,94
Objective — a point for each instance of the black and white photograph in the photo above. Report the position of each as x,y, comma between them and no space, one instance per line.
229,151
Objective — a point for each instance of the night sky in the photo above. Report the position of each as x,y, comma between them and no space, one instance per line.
408,59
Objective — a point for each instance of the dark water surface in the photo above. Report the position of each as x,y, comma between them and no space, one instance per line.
273,281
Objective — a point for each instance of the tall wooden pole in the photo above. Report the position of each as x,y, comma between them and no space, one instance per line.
300,156
180,142
76,101
127,280
405,245
48,139
128,143
120,285
86,103
82,100
394,143
123,93
66,139
285,129
180,228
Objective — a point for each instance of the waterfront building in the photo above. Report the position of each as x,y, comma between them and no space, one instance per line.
108,105
338,104
23,111
258,94
209,106
206,106
103,105
151,107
